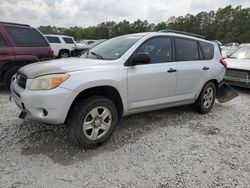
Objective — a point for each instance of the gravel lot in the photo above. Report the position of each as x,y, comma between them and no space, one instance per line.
175,147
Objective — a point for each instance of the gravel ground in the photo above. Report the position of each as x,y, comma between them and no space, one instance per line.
175,147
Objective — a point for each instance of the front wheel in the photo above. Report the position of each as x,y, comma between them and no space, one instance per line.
92,121
206,98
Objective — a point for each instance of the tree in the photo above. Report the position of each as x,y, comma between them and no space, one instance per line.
227,24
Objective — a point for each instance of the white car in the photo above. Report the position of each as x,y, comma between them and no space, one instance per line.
61,45
238,72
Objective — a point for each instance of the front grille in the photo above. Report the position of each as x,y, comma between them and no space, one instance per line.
237,73
21,80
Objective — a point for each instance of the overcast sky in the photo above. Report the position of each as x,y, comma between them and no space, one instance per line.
91,12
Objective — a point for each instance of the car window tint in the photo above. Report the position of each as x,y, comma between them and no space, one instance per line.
90,42
53,39
27,37
2,42
186,50
207,49
68,40
159,49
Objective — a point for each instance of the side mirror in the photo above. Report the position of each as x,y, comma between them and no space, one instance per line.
140,58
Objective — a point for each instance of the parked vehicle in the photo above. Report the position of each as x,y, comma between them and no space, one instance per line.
80,50
121,76
238,72
231,45
62,45
20,45
85,43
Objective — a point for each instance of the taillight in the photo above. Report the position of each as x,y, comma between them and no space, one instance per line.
224,63
51,54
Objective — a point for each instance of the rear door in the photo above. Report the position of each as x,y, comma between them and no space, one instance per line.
70,43
152,85
55,44
192,69
29,44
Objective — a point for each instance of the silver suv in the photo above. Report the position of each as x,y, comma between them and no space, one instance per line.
124,75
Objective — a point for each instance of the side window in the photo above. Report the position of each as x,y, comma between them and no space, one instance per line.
159,49
2,42
68,40
207,50
186,50
53,39
27,37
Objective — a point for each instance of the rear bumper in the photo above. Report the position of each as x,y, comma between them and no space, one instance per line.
50,106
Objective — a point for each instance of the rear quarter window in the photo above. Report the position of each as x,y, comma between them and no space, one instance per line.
53,39
68,40
27,37
186,49
207,50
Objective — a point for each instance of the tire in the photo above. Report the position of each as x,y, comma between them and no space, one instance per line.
87,125
8,75
205,100
63,54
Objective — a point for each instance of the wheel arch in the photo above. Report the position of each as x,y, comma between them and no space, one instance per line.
9,65
106,91
214,81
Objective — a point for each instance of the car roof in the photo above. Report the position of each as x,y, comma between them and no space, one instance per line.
172,34
51,35
14,24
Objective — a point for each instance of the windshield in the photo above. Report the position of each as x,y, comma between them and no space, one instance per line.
242,53
113,48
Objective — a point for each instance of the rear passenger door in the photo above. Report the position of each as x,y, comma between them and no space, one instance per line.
29,44
55,44
192,70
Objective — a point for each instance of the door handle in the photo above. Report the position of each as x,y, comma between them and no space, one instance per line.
205,68
171,70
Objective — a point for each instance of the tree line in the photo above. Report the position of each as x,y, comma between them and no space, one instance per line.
227,24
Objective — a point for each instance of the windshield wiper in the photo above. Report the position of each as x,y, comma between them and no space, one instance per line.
97,55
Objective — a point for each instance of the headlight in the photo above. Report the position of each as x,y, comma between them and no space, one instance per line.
47,82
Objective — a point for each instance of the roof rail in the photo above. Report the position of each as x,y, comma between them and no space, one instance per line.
10,23
183,33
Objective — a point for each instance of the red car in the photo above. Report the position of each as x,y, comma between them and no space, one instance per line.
20,45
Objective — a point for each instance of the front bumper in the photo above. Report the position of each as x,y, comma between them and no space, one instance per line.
47,106
237,81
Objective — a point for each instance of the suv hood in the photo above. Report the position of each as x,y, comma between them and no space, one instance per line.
63,66
243,64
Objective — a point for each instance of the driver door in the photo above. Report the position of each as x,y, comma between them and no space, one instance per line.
151,85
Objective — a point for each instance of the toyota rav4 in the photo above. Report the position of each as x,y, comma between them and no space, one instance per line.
124,75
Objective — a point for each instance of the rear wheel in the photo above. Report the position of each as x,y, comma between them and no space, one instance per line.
63,54
92,121
9,74
206,98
